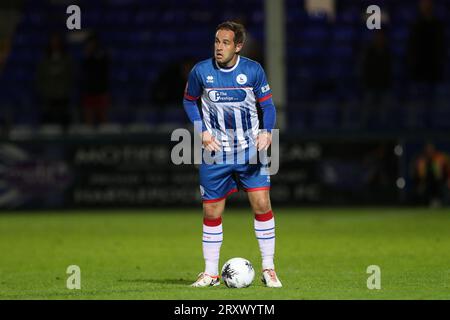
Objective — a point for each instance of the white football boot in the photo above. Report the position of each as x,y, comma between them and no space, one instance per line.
205,280
270,279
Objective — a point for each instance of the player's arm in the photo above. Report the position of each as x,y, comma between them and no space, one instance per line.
269,117
264,98
208,140
191,95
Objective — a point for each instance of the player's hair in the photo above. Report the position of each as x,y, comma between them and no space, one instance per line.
237,28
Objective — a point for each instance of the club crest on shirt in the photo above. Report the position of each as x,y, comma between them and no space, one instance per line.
241,78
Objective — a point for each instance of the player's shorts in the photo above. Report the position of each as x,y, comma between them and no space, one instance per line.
217,181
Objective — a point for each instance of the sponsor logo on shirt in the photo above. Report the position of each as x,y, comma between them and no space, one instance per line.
225,95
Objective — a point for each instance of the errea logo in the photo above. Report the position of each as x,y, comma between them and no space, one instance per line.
209,79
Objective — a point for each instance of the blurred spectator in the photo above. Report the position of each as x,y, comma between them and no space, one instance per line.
95,82
170,84
5,47
378,171
376,79
54,82
432,176
426,47
377,168
9,18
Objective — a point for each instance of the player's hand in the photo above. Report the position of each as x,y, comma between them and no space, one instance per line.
263,140
209,142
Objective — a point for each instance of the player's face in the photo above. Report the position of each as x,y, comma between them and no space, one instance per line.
225,50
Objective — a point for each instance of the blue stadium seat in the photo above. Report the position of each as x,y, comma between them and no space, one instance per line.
314,34
148,116
349,17
325,115
144,35
440,116
146,18
342,52
318,19
399,34
298,116
345,34
174,116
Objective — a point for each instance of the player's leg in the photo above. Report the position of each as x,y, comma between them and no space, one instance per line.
215,185
257,186
256,182
211,243
265,233
212,235
264,223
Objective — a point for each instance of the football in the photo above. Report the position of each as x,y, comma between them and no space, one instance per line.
238,273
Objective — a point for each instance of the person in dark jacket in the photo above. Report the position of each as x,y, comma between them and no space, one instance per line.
426,46
54,82
376,80
95,82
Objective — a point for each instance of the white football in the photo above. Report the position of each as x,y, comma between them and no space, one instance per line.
238,273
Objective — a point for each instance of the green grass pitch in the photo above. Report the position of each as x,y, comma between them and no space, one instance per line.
156,254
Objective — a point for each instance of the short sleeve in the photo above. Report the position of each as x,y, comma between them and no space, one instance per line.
193,86
261,89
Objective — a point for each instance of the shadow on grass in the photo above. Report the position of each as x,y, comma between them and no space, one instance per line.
158,281
26,295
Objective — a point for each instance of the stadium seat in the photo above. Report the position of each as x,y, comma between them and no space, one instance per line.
143,36
324,115
346,34
174,116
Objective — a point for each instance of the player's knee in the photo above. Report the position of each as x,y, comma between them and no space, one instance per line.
212,210
261,205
